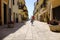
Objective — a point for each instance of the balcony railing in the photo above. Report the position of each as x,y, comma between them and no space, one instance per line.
44,3
20,5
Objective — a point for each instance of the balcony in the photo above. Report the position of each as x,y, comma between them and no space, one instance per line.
20,5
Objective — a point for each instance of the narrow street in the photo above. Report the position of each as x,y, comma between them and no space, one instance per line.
37,31
29,19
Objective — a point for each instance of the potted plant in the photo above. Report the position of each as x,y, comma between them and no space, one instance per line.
10,24
54,25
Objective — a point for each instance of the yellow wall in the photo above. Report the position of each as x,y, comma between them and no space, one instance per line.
55,3
6,1
2,9
23,1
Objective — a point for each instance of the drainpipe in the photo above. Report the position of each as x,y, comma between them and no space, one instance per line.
11,9
51,15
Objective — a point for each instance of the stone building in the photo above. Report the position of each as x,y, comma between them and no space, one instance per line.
46,10
37,9
23,10
56,9
16,10
12,11
3,12
15,14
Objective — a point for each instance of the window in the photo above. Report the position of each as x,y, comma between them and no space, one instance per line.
44,3
37,10
9,10
20,6
13,2
37,0
41,6
10,14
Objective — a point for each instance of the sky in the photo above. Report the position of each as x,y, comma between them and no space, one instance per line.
30,6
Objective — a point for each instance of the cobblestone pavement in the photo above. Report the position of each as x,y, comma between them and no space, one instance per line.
37,31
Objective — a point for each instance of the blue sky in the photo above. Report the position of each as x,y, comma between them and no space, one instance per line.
30,6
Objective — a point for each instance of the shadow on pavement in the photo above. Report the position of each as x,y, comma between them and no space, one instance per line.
6,31
56,31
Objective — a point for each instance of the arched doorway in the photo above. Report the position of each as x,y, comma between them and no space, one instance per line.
5,13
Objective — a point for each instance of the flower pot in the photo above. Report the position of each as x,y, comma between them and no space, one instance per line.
10,24
54,27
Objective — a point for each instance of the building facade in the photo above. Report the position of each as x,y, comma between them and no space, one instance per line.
23,10
55,9
15,14
3,11
17,10
47,10
12,11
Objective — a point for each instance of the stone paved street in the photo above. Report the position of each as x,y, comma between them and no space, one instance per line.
37,31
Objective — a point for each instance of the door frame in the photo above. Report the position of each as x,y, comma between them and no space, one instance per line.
6,11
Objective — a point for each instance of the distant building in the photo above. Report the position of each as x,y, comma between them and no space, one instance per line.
23,10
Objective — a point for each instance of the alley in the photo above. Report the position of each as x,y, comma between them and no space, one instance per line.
37,31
